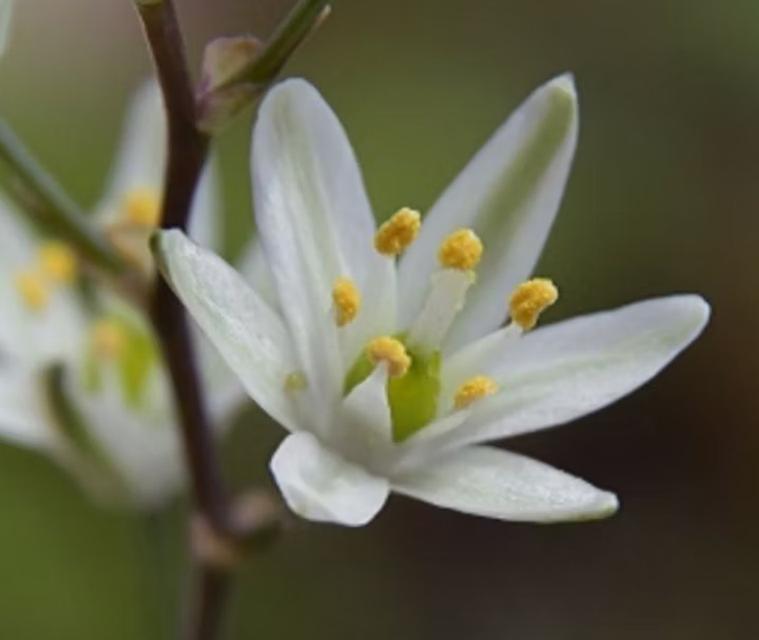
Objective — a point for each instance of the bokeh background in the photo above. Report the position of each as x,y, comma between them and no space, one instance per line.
663,198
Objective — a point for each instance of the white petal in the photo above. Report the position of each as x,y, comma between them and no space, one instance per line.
318,484
141,155
488,482
253,267
207,215
315,225
561,372
22,414
247,333
509,194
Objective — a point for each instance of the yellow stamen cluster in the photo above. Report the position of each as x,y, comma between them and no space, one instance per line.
397,233
347,300
33,290
108,339
530,299
142,207
474,389
392,351
58,262
461,250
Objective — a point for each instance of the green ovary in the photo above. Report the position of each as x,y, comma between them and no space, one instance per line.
412,397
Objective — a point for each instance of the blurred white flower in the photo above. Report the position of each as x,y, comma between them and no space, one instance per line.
81,376
390,375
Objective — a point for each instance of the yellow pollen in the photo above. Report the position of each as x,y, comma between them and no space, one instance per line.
295,381
142,207
474,389
347,300
392,351
397,233
58,262
530,299
460,250
32,289
108,339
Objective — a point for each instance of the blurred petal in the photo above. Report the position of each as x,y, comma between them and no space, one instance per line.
22,413
567,370
253,267
318,484
315,225
509,194
488,482
247,333
366,420
141,155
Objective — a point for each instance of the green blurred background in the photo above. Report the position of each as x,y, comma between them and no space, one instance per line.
663,198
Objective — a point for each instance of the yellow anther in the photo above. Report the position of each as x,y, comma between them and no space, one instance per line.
347,300
397,233
142,207
460,250
33,290
474,389
108,339
392,351
530,299
58,262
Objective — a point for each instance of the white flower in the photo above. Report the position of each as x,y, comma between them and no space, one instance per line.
385,375
81,377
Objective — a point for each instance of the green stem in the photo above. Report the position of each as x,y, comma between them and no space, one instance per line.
303,18
43,198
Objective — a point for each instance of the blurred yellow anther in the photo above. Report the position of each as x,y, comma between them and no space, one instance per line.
397,233
108,339
295,381
33,290
58,262
142,207
460,250
392,351
474,389
530,299
347,300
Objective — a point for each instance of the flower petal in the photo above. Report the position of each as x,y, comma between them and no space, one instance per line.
22,415
489,482
141,155
318,484
509,194
247,333
316,225
567,370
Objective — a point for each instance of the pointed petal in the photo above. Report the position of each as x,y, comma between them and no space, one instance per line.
509,194
315,225
567,370
488,482
206,218
247,333
141,155
319,485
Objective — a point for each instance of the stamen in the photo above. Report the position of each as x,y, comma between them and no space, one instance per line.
58,262
392,351
474,389
460,250
347,300
108,339
142,207
397,233
32,289
530,299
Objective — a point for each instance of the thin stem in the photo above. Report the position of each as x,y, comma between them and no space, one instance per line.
212,590
187,153
304,17
43,198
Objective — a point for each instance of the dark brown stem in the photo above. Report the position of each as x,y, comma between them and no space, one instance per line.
212,586
188,148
